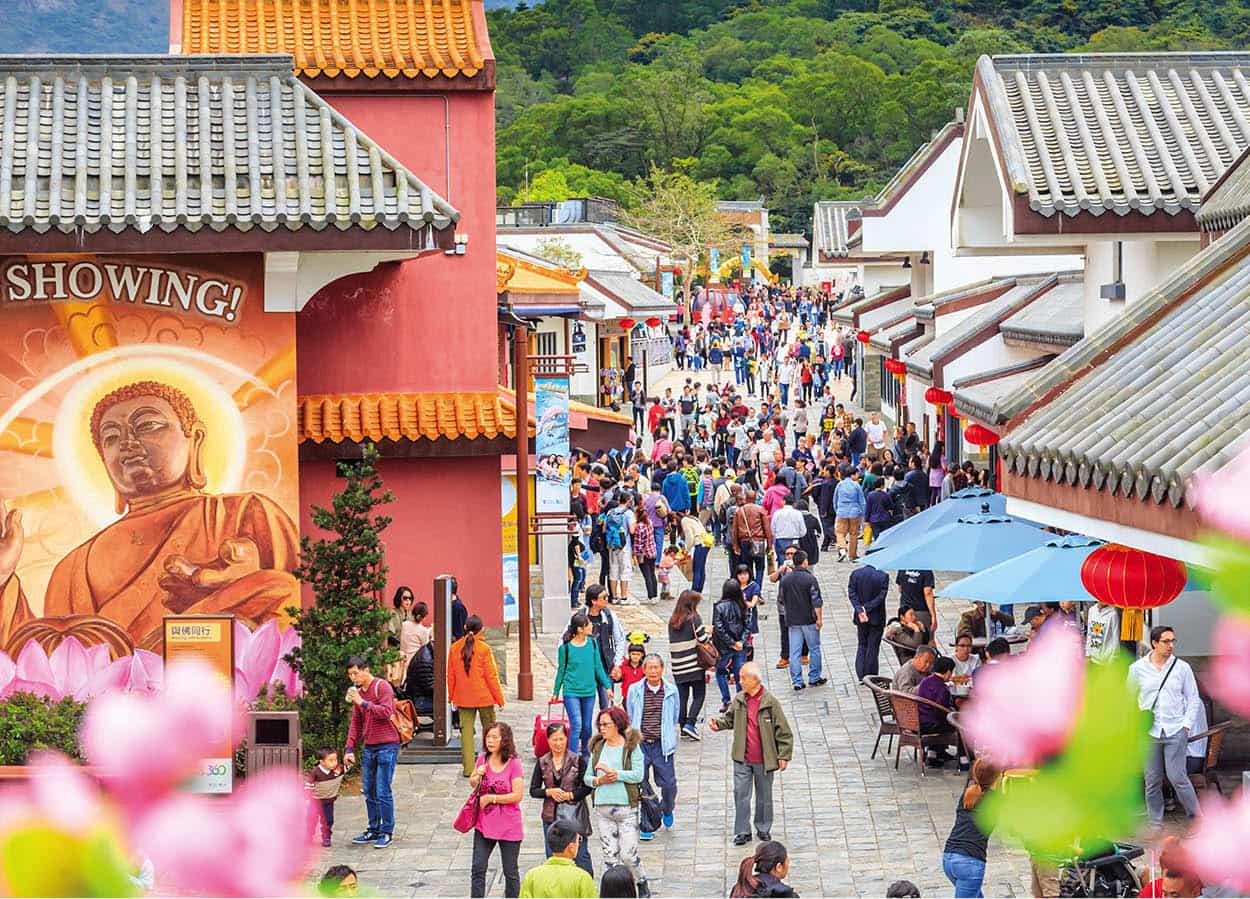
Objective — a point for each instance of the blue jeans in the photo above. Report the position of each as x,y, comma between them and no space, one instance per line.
965,872
837,368
581,712
798,634
729,663
698,568
659,542
785,394
377,770
579,581
655,761
582,860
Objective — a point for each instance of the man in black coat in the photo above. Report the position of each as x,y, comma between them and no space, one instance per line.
857,441
867,590
918,481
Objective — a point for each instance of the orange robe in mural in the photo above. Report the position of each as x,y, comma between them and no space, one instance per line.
118,573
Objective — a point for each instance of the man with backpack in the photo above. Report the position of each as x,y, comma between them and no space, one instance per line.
618,524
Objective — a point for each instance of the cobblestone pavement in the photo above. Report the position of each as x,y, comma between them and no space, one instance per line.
852,824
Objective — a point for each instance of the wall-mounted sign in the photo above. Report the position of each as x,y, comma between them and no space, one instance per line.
579,339
209,639
666,284
746,258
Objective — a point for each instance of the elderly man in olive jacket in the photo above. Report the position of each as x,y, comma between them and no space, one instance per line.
763,744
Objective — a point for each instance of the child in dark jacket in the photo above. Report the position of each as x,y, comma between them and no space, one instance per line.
324,780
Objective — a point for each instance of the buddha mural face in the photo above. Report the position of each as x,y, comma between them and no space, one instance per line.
149,439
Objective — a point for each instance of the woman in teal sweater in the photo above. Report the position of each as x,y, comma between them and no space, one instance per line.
579,674
616,773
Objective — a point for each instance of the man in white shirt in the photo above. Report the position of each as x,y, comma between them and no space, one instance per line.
1166,686
876,434
788,527
785,372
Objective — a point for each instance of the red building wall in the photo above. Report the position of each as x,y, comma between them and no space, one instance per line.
419,326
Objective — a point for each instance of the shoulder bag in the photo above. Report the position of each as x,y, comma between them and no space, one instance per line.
706,653
466,820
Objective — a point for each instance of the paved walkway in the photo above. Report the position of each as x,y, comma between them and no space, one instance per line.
853,824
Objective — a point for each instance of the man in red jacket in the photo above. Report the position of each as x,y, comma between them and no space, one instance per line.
373,704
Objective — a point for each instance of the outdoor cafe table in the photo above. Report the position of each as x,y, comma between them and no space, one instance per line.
979,643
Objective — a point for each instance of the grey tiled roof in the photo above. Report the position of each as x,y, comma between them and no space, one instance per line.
1057,319
740,205
634,295
1228,202
190,142
788,241
832,226
1117,132
1022,293
1158,394
892,330
928,306
979,398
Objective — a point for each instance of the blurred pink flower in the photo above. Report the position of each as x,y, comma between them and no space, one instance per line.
259,660
1024,709
77,672
1217,845
1226,675
144,745
251,844
1222,499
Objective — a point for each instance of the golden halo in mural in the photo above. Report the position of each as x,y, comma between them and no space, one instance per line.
78,462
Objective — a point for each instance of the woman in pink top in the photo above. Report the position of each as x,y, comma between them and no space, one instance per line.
499,774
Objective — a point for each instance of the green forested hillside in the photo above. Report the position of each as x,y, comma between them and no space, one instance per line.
795,100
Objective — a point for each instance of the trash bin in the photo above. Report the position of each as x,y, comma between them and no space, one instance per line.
273,741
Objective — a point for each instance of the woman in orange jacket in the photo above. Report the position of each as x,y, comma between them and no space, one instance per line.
473,686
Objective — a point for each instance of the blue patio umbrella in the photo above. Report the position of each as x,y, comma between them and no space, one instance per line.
971,543
1050,573
968,501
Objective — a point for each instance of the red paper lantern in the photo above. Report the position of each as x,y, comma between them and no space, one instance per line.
863,337
653,322
895,366
1132,578
628,324
980,435
938,397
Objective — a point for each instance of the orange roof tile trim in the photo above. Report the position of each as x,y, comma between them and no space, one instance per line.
341,37
398,416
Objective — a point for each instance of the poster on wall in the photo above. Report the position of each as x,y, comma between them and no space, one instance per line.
148,448
209,640
746,259
666,284
551,443
511,583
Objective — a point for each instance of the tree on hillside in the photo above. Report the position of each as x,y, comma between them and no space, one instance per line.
346,572
682,212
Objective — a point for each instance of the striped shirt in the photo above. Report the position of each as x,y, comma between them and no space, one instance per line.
681,648
652,709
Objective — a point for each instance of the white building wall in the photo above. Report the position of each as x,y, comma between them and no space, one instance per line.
1145,265
920,221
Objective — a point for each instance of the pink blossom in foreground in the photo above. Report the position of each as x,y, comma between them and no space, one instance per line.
1227,676
1222,498
1024,709
1217,846
77,672
252,844
259,660
143,745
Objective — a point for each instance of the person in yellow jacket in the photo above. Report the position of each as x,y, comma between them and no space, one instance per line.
473,686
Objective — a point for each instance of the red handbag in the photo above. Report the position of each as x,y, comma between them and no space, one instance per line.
466,820
539,738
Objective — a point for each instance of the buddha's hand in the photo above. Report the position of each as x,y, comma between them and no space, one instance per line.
12,539
186,580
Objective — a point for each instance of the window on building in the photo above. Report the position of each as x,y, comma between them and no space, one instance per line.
954,440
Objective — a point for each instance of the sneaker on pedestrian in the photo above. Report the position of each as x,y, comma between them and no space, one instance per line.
690,732
644,891
841,555
646,835
367,837
667,820
798,687
782,663
382,841
325,843
741,839
763,836
820,681
724,708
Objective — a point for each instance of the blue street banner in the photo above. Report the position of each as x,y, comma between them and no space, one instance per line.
551,444
666,284
746,258
714,261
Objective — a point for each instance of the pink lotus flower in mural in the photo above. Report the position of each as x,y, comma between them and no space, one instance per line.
77,672
1010,719
259,660
1217,846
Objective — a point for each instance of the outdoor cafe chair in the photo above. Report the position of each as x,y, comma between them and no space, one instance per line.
1206,777
906,707
887,726
902,651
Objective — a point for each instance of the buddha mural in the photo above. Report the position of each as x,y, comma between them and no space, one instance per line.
176,549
